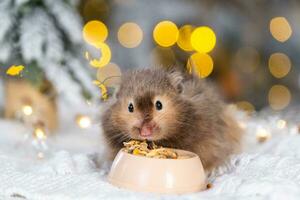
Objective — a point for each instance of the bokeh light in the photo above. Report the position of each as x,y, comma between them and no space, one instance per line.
263,135
39,133
165,33
95,32
279,65
27,110
184,38
83,121
280,29
247,59
279,97
246,106
105,56
200,64
130,35
203,39
281,124
110,75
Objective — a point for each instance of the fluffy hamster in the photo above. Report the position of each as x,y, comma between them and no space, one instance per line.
174,110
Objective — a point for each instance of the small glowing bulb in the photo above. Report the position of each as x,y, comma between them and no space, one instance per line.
39,133
262,135
83,121
281,124
27,110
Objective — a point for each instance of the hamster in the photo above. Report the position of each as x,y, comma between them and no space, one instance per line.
174,110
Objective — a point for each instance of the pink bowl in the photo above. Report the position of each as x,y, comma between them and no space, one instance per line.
168,176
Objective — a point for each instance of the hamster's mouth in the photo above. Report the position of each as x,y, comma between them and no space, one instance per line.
148,131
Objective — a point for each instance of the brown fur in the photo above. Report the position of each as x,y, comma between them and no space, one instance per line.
193,117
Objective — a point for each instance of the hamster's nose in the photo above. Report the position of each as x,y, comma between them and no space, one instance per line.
147,129
147,117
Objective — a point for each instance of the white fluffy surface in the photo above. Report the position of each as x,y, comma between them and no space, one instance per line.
263,171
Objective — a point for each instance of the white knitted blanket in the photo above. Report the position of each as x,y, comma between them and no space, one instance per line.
263,171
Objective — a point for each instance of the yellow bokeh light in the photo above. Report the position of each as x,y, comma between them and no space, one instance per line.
105,56
95,32
263,135
279,97
281,124
39,133
27,110
184,38
279,65
245,106
165,33
83,121
203,39
130,35
280,29
110,75
200,64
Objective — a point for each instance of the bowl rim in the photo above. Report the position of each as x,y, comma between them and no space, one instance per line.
175,190
191,157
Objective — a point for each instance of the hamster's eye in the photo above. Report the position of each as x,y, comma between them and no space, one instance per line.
130,108
158,105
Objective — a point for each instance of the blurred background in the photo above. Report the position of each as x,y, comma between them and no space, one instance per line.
257,43
75,51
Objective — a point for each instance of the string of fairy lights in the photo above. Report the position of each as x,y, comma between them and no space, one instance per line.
37,136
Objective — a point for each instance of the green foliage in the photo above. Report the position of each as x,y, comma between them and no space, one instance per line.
34,74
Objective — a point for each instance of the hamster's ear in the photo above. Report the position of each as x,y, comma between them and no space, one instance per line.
176,78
